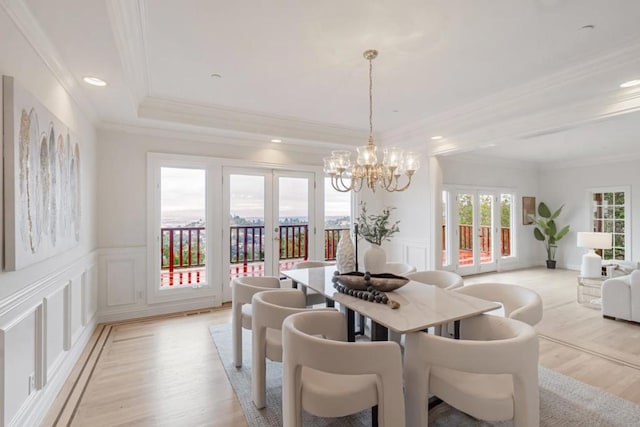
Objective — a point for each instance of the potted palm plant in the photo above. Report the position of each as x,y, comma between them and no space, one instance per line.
547,231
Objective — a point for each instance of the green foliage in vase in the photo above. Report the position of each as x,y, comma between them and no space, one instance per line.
547,230
376,228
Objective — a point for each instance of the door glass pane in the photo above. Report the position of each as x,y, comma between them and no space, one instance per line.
506,206
465,229
446,258
246,222
337,217
293,221
486,228
182,222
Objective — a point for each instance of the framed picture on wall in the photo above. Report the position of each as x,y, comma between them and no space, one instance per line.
41,180
528,210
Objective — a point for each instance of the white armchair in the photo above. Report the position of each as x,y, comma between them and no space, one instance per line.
241,293
440,278
270,308
399,268
328,377
621,297
518,302
490,374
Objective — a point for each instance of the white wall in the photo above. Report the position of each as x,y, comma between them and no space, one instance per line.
415,209
570,186
521,178
47,311
122,207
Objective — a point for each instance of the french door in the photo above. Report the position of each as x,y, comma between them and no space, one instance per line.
475,235
270,221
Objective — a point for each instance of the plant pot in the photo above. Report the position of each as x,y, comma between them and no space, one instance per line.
551,263
375,259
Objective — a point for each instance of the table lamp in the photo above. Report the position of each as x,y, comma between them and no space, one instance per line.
591,261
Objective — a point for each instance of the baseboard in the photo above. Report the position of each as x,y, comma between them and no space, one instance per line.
138,312
36,408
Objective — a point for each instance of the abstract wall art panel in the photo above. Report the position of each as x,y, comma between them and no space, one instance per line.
41,180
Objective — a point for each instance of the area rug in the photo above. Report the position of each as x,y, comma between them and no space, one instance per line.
564,401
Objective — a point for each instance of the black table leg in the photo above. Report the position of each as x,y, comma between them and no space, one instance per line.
351,316
379,332
374,416
330,303
456,330
294,284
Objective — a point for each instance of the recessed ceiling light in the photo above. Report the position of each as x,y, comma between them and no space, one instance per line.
276,140
437,137
94,81
630,83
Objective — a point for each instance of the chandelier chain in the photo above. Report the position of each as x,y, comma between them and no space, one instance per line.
370,101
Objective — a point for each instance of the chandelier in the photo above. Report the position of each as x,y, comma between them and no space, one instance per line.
395,162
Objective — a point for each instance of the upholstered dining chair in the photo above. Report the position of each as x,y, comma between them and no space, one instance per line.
270,308
328,377
491,373
313,298
243,289
440,278
518,302
399,268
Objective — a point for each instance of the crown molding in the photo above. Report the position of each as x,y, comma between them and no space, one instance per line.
212,136
29,26
479,159
128,23
246,122
512,103
594,161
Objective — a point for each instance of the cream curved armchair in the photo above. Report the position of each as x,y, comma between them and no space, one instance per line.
270,308
242,291
519,303
490,374
440,278
399,268
328,377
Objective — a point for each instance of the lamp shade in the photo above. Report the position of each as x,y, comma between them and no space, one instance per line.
594,240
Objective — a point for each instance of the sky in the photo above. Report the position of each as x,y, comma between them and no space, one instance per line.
183,190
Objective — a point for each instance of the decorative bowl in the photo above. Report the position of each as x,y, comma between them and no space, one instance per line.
384,282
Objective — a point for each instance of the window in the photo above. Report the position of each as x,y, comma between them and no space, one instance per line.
610,210
337,217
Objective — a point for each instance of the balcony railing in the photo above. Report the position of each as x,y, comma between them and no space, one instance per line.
465,239
183,249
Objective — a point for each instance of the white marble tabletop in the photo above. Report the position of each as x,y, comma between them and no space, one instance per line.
421,306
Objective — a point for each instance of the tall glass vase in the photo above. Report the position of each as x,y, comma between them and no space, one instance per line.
345,257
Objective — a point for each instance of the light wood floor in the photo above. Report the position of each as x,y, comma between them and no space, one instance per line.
166,371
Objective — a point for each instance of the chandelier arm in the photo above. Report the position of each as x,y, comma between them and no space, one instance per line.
335,185
406,186
348,187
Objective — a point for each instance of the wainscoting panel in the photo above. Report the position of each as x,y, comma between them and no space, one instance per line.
57,326
415,253
77,307
121,284
19,341
90,293
42,334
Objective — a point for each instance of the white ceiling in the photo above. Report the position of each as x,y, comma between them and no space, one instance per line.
484,73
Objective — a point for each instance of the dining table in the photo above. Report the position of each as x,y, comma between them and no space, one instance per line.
420,305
